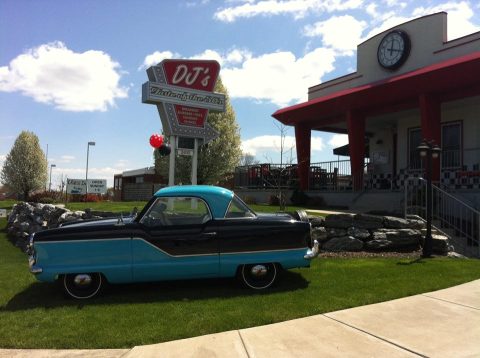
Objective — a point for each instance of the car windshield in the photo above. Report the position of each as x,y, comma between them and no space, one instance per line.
238,209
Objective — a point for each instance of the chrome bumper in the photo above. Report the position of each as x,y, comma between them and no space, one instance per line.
31,263
313,252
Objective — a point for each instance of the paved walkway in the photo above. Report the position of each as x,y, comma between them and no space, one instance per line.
443,323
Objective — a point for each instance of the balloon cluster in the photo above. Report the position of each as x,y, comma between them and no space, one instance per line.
157,142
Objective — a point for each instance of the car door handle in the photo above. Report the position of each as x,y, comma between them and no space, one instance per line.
209,234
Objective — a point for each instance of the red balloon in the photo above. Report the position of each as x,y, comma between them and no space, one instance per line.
156,140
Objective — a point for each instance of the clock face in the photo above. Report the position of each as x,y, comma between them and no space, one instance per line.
393,50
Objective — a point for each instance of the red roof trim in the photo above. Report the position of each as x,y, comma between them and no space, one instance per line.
290,111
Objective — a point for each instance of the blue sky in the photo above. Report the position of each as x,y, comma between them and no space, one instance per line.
71,71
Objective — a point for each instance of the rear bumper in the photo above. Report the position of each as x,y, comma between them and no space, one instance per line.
34,268
313,252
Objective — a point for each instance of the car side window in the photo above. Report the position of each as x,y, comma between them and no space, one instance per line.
238,209
177,211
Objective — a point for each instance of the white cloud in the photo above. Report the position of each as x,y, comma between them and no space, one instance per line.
156,57
278,77
272,143
121,163
459,17
296,8
53,74
2,160
232,56
337,140
344,41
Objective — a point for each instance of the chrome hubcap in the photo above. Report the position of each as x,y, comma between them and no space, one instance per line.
259,270
82,280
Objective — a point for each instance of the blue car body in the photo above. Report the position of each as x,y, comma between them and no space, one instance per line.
183,232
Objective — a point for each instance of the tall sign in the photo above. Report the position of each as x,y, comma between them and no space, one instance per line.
182,90
183,93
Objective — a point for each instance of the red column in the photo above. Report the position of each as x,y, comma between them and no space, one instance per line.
302,138
430,119
356,147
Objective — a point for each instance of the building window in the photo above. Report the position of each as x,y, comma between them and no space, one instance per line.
414,140
139,180
452,145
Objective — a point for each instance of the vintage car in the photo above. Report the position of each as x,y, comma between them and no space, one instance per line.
183,232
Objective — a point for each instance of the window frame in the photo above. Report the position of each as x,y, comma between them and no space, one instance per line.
244,204
173,197
458,123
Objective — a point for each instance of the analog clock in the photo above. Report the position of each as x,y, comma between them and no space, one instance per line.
393,50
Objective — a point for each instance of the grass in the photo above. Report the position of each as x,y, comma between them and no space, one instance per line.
36,315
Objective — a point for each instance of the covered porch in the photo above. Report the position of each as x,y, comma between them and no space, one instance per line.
382,112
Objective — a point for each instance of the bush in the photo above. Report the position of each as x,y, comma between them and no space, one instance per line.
250,200
273,200
91,198
44,197
299,197
317,201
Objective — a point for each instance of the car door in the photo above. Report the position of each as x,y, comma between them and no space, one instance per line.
178,240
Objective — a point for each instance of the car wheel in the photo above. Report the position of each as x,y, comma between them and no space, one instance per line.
82,285
258,276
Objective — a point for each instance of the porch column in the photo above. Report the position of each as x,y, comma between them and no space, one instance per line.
302,138
356,147
430,118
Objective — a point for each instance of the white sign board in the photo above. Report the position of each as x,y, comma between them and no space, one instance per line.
3,213
183,151
78,186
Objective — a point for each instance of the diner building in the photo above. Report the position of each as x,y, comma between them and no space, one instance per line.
412,84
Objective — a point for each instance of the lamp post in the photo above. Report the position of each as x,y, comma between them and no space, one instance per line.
429,151
50,182
86,172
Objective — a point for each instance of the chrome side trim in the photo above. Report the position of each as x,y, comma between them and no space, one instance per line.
166,253
261,251
313,252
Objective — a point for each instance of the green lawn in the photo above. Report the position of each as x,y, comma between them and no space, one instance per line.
36,315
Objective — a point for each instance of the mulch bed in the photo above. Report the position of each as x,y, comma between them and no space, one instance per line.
365,254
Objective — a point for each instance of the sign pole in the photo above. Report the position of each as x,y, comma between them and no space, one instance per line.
171,169
195,162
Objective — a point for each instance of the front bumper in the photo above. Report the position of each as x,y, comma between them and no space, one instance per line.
313,252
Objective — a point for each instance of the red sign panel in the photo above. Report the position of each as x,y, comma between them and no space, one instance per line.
195,74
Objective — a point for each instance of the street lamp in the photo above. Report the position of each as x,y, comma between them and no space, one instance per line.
86,172
428,150
50,183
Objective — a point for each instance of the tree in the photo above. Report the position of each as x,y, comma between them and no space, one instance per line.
25,168
248,159
218,158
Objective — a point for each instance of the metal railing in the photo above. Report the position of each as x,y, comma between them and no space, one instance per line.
331,175
449,213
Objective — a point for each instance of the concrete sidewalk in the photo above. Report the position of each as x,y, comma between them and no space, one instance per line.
443,323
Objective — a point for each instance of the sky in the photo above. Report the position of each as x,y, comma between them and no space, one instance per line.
71,71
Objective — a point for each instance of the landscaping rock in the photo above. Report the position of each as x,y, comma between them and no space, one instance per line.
344,243
335,232
361,234
440,244
365,221
316,221
339,221
319,234
456,255
402,239
416,224
393,222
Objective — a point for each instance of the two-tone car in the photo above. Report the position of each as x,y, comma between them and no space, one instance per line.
183,232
